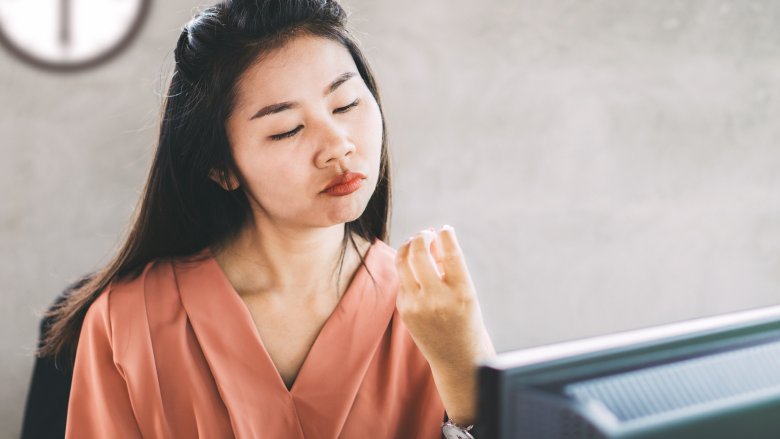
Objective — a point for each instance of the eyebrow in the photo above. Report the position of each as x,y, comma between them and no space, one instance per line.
281,106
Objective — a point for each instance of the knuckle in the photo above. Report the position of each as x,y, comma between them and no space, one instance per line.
451,256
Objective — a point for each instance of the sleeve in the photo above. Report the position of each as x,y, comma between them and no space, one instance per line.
99,405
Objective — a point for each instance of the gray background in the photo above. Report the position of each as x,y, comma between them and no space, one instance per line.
607,165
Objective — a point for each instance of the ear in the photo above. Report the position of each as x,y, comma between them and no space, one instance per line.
226,180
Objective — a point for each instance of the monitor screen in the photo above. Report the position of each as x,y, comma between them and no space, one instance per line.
717,377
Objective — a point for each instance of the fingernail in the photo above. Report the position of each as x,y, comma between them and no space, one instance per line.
448,227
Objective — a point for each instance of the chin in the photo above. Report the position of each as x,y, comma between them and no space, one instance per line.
348,215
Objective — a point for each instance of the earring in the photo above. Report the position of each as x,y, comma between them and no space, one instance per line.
230,187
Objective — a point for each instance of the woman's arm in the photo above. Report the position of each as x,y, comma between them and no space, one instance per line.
457,384
99,404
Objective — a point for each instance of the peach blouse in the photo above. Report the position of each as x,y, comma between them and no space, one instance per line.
174,353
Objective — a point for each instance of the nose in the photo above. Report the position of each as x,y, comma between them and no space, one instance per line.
334,145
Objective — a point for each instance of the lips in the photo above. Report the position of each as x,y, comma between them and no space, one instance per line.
345,178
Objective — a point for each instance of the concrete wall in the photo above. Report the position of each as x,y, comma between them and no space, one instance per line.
607,164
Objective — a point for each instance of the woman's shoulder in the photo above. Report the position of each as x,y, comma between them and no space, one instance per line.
134,284
117,308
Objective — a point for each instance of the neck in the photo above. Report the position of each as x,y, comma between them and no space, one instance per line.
290,263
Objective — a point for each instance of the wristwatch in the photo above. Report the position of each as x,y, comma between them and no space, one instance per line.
452,430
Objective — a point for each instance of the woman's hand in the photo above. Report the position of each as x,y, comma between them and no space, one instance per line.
438,303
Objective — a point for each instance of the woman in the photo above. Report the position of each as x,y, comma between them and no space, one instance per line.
223,314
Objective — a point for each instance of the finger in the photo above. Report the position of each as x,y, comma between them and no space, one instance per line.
421,260
452,257
405,274
436,252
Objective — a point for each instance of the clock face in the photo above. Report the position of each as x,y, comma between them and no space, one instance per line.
69,34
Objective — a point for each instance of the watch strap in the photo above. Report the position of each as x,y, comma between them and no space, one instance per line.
451,430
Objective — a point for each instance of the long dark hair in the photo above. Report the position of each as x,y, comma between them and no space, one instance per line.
182,210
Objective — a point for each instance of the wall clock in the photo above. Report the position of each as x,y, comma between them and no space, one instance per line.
69,35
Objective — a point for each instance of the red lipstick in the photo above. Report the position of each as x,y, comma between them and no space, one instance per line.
345,184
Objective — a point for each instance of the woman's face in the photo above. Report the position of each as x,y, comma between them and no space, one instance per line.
329,124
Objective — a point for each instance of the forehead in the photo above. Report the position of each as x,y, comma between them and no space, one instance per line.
305,65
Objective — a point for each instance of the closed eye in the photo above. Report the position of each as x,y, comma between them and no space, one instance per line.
300,127
287,134
348,107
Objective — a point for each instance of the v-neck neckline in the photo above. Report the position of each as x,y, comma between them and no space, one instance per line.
334,369
246,315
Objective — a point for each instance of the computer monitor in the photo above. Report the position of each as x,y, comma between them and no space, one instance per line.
710,378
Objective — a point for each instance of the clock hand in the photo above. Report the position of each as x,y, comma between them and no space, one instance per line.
65,22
